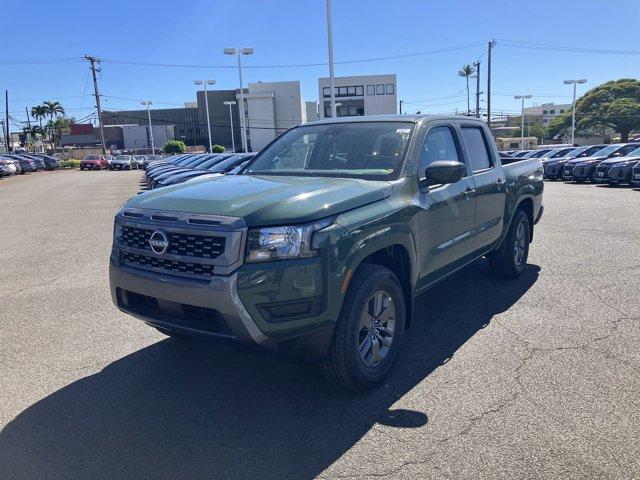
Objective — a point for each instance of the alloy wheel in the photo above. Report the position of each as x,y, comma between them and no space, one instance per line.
376,329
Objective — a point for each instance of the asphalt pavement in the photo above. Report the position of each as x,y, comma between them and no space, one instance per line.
532,378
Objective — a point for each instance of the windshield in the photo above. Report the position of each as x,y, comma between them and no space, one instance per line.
540,153
626,150
560,152
372,150
590,151
123,157
92,157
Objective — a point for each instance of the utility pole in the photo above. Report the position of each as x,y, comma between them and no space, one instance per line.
6,120
492,44
29,134
93,60
400,107
478,92
332,78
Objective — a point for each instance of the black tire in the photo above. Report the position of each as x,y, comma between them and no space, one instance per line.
81,168
343,365
505,261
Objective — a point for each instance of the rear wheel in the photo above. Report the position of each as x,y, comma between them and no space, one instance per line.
510,259
369,331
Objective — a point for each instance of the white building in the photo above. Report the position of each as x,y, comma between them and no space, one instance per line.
547,111
359,95
272,108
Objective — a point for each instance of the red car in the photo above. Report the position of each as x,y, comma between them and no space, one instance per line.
93,162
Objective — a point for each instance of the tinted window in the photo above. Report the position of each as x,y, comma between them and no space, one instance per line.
439,145
390,88
380,89
479,158
371,89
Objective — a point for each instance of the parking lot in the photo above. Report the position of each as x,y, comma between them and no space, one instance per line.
503,379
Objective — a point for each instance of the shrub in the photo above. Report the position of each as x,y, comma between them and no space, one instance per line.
174,146
71,163
217,149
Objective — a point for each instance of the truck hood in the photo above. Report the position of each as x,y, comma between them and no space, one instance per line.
265,200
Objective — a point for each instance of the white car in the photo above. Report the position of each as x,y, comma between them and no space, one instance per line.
7,168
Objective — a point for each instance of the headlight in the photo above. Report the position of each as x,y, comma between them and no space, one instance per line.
281,243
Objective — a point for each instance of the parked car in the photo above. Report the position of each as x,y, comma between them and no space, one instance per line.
50,163
26,164
318,249
606,165
554,153
201,165
635,175
182,165
93,162
216,167
621,172
554,168
587,168
124,162
7,167
149,159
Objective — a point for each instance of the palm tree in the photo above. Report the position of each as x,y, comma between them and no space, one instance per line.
53,108
467,71
39,112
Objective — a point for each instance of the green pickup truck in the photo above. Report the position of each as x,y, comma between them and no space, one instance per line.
319,247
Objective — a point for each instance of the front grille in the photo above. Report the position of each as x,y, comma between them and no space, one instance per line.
199,270
603,168
186,244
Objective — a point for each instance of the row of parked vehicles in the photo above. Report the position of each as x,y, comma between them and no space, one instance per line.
118,162
181,168
17,164
614,164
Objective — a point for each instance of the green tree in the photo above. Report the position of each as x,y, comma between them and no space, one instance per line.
53,108
59,126
467,71
39,112
174,146
614,104
217,149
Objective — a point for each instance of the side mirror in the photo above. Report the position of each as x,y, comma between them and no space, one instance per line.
443,171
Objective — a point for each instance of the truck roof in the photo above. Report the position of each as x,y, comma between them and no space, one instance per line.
392,118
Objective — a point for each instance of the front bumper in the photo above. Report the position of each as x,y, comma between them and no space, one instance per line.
232,307
620,174
635,176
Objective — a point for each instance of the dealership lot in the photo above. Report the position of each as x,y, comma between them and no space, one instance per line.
510,379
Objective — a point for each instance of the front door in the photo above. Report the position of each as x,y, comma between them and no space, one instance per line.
446,212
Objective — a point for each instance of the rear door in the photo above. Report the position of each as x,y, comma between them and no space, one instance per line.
489,179
446,214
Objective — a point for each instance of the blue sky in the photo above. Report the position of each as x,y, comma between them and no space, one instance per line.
292,32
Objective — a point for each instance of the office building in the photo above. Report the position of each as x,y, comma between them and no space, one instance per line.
359,95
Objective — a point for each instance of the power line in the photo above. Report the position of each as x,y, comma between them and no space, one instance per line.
546,46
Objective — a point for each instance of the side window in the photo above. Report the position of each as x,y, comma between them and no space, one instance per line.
479,157
439,145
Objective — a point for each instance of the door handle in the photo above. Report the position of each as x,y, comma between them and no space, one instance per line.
469,192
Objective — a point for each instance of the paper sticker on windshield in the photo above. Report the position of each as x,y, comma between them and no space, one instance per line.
403,130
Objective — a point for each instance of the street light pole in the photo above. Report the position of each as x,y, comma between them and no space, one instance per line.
233,142
332,79
206,104
239,52
148,103
522,97
573,106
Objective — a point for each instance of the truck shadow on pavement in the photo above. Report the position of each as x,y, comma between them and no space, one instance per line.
185,409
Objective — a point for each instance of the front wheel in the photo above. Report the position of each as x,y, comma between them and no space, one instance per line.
510,259
369,331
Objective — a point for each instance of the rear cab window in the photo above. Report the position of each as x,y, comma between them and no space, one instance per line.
480,158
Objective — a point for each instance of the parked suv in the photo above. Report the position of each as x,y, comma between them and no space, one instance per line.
318,249
7,167
124,162
586,168
93,162
554,168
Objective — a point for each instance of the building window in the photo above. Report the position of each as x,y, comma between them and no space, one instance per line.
326,91
544,112
561,110
353,111
351,90
359,90
552,112
327,112
380,89
342,91
390,89
371,89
